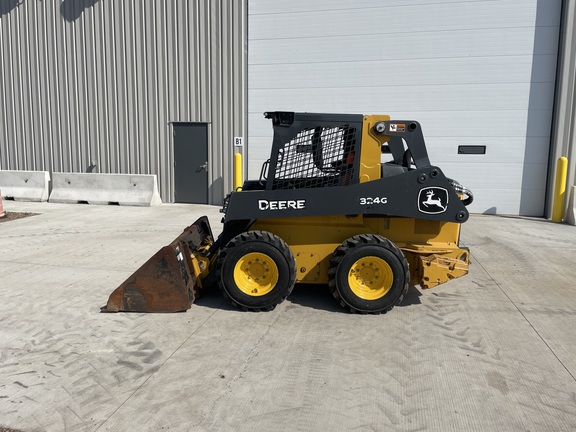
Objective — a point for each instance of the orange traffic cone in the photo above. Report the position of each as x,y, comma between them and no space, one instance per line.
2,213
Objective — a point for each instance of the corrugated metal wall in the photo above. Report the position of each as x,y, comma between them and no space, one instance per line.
99,81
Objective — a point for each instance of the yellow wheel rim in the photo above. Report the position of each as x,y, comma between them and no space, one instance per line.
256,274
370,278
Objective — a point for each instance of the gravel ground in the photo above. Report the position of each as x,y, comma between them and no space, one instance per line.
492,351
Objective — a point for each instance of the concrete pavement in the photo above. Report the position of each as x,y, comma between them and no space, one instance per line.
493,351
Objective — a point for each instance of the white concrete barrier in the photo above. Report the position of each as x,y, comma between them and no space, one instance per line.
570,216
96,188
24,185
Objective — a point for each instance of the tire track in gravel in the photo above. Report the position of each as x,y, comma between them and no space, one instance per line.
72,380
516,376
387,383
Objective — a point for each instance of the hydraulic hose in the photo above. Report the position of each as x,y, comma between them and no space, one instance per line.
461,190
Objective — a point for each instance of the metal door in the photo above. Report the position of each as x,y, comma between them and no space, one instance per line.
191,163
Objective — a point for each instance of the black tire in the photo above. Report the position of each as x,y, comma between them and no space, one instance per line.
256,270
350,281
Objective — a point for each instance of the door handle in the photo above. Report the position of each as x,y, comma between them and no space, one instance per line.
202,167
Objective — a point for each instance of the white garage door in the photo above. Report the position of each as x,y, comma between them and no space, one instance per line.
472,72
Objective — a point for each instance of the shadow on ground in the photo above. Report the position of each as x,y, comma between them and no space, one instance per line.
306,295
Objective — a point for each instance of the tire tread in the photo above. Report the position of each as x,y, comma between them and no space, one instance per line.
259,236
362,240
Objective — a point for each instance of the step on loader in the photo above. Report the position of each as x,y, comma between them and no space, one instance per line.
347,201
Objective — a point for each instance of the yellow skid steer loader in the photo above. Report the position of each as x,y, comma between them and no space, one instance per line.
326,210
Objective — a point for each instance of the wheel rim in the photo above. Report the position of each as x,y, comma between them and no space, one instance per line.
370,278
256,274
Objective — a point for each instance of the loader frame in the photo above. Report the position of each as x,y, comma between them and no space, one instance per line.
398,188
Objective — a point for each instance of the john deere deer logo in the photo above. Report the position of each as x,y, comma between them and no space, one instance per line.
433,200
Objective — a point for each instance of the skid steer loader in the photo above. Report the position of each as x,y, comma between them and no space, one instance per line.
325,210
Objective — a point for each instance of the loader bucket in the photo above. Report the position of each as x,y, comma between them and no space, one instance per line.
167,282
